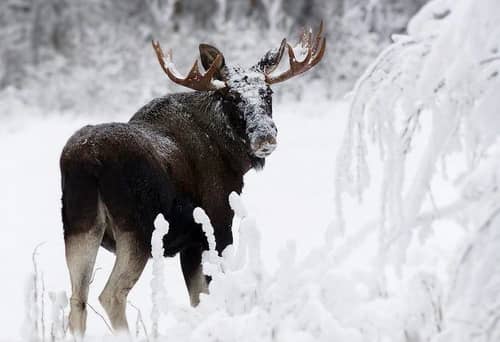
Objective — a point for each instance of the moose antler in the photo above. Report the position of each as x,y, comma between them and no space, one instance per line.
194,80
315,51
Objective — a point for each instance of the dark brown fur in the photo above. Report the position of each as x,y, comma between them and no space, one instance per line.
175,153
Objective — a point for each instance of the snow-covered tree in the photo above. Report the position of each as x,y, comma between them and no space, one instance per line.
437,86
79,52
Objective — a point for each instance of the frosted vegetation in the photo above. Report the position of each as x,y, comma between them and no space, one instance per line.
440,83
422,145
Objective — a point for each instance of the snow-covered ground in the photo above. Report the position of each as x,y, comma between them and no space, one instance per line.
291,199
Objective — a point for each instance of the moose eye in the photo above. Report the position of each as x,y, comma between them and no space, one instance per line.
234,96
265,92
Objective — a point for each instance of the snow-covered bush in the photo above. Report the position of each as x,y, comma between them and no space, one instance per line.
429,105
59,302
159,294
34,320
313,299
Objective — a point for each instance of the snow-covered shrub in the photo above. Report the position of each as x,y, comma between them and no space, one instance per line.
440,82
429,106
475,290
59,302
159,294
33,327
31,318
311,299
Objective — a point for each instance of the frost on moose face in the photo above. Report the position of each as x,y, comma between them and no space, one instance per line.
254,102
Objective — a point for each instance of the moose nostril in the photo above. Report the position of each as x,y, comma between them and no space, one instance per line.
264,145
271,140
267,140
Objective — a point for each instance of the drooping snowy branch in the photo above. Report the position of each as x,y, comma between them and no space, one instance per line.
437,82
439,86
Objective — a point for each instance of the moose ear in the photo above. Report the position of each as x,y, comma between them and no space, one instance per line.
271,59
208,54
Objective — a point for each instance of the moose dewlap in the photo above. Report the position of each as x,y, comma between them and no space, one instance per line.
178,152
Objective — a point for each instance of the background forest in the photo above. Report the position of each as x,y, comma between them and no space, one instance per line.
81,50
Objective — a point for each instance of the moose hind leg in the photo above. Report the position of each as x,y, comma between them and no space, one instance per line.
83,220
131,258
81,252
196,281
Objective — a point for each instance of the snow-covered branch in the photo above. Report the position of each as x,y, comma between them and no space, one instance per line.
427,103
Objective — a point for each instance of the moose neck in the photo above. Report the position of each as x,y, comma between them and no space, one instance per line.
211,115
215,117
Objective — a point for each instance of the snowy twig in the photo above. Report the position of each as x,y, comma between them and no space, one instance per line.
489,60
58,328
93,274
139,321
102,317
42,308
357,238
436,305
36,295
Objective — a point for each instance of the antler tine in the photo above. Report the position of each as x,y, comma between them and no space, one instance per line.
159,55
307,38
315,51
317,40
279,52
195,79
319,54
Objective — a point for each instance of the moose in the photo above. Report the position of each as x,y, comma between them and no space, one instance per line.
178,152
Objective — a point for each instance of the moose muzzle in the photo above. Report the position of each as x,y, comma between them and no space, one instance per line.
264,146
262,136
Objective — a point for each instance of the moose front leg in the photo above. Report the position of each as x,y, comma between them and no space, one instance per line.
196,281
223,237
221,217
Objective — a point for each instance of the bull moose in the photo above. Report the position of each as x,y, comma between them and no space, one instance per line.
178,152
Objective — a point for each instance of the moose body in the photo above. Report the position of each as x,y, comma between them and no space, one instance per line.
118,177
178,152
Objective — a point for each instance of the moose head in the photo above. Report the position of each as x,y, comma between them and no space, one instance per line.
247,90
